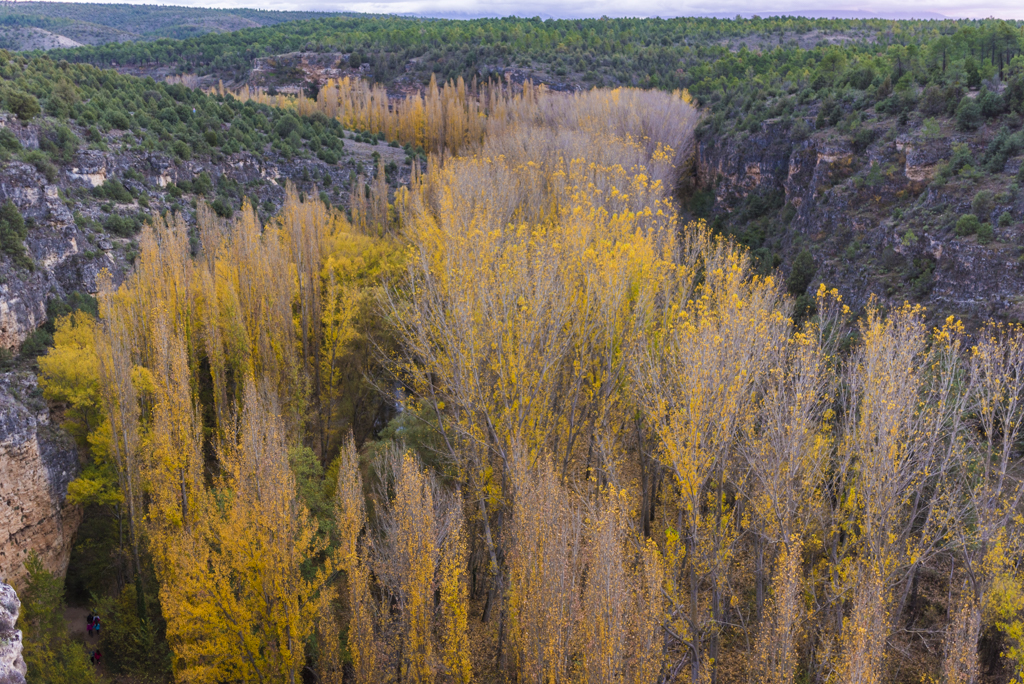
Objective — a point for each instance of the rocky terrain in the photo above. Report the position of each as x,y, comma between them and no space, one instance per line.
12,666
879,222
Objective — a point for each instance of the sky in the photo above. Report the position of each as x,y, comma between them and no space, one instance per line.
1005,9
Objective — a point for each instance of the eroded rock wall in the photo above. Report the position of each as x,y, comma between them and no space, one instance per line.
863,235
37,461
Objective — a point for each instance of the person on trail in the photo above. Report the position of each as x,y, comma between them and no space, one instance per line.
95,657
88,622
96,625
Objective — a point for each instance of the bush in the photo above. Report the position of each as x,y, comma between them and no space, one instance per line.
862,139
933,101
803,272
42,163
113,189
60,142
985,233
182,150
990,103
968,115
9,141
967,224
1005,219
119,120
983,204
222,207
122,226
202,184
23,105
36,343
13,234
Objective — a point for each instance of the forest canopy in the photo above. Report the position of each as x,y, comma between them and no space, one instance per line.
613,452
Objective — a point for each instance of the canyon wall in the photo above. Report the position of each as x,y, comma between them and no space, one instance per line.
37,461
874,220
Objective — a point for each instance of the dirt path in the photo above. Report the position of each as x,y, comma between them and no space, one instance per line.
74,618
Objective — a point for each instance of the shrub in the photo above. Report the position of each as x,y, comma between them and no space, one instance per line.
1005,219
9,141
933,101
968,115
803,272
182,149
985,233
222,207
42,163
23,105
202,184
36,343
983,203
119,120
862,139
967,224
60,142
13,234
990,103
122,226
113,189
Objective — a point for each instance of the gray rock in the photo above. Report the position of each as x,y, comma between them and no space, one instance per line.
12,665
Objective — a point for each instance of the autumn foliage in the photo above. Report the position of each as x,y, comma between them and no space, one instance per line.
612,455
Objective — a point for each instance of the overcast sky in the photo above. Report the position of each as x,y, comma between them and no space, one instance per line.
1006,9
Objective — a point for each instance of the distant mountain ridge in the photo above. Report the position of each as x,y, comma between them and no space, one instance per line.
42,25
528,11
836,14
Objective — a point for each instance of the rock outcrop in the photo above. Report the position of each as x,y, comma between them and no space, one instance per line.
65,256
12,665
872,218
37,461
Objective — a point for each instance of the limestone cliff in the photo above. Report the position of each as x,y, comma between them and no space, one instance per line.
875,219
37,461
12,665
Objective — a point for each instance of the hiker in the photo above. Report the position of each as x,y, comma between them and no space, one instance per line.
95,657
96,624
88,622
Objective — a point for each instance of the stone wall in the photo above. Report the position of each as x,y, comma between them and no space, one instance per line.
37,461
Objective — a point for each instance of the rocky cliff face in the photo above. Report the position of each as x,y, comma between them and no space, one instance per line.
65,255
874,220
12,665
37,461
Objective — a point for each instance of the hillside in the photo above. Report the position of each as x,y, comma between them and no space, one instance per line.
100,23
859,142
